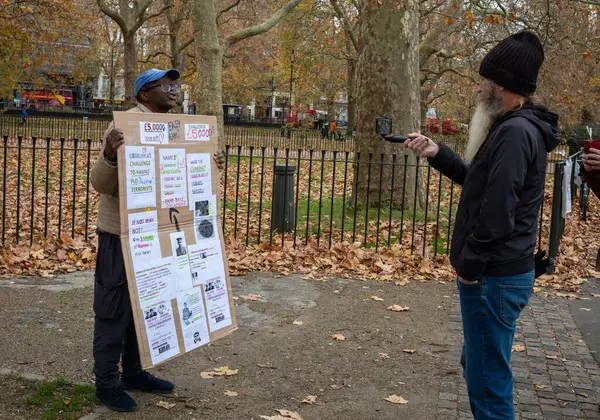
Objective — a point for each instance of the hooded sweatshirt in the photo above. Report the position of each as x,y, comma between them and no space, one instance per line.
503,188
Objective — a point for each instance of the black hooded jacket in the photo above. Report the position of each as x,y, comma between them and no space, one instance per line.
496,221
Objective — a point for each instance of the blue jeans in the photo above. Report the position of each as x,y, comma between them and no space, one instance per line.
490,309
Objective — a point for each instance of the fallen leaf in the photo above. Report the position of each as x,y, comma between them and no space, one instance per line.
338,337
396,399
518,348
409,351
67,401
298,323
311,399
376,298
585,309
231,393
451,372
166,405
24,362
222,371
399,308
252,297
283,415
595,295
384,356
539,387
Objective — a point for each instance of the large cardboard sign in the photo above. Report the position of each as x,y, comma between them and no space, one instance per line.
175,259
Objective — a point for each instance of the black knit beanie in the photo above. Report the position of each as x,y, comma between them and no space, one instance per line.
515,63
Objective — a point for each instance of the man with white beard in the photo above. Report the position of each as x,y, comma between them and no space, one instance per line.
496,222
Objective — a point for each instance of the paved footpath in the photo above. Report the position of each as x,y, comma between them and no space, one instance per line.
556,376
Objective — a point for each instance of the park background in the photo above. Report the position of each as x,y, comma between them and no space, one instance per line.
277,73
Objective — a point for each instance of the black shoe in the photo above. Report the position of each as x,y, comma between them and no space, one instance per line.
147,383
116,399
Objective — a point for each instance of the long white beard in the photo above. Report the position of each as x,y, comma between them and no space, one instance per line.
482,120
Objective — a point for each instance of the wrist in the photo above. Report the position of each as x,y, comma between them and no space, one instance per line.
110,158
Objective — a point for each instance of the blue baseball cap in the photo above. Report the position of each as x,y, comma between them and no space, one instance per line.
153,75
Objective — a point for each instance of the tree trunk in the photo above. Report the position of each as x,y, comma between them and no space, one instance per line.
331,115
130,60
209,62
351,97
388,85
111,89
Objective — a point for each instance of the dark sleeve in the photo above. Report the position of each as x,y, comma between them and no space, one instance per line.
509,160
450,164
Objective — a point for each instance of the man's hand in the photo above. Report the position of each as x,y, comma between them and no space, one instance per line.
591,160
421,147
220,160
542,265
114,140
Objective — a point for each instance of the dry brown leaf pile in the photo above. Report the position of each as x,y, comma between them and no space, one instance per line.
342,260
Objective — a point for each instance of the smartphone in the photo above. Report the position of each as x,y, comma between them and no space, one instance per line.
383,126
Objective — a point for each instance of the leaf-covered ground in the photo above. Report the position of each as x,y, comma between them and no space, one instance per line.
333,236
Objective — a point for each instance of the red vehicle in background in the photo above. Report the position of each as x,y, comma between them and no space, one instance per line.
303,118
45,98
448,127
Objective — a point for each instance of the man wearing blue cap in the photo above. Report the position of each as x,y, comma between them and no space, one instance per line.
114,329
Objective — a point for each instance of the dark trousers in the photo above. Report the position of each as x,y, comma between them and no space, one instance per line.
114,330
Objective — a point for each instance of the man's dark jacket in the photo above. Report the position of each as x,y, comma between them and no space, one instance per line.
496,221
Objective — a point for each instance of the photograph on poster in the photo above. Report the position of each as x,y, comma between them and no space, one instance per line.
206,261
181,262
193,318
160,329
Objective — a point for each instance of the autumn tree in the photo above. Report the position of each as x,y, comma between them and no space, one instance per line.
210,50
388,84
108,44
130,15
33,34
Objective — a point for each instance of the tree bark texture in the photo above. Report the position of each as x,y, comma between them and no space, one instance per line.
210,50
130,68
209,63
351,97
388,85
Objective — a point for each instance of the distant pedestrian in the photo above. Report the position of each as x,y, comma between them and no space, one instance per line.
332,130
324,131
23,115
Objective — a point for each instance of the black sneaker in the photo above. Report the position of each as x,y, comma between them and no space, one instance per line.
116,399
145,382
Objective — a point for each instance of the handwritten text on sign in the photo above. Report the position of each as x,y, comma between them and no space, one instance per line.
198,132
154,133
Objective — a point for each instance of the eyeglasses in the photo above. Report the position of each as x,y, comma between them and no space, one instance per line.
166,87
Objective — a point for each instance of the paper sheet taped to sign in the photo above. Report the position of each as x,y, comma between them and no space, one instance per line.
154,133
198,132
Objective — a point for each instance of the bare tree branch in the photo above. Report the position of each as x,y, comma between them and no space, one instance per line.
341,14
228,8
262,27
113,15
142,18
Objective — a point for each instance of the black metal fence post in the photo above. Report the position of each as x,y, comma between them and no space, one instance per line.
556,218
